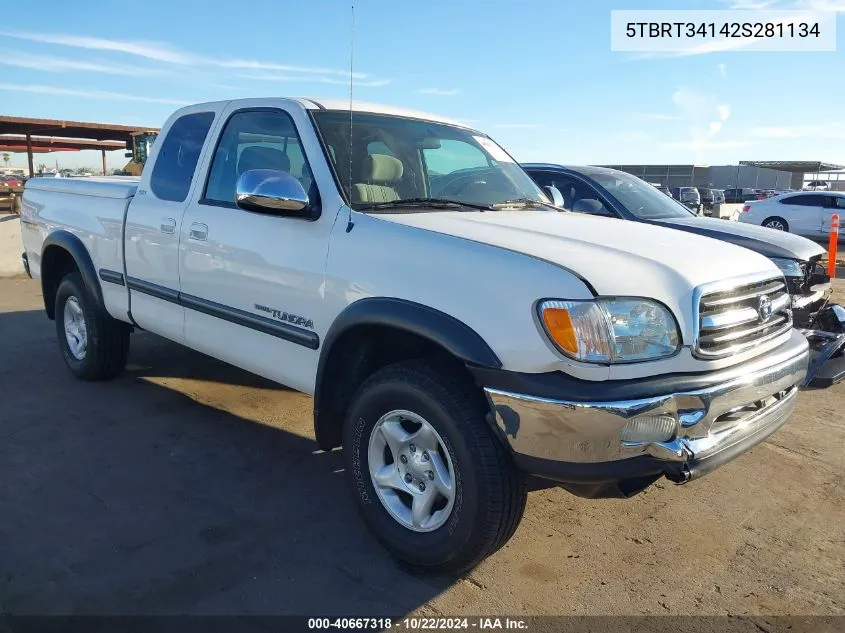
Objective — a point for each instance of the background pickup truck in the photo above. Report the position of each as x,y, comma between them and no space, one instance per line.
611,193
457,332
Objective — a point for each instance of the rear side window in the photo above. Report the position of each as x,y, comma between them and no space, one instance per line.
177,159
804,201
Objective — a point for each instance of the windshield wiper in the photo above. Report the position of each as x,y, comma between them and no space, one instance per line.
434,203
523,202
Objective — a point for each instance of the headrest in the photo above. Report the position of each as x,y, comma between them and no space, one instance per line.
257,157
381,168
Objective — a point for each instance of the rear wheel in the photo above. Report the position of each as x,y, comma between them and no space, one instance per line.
778,224
433,483
93,344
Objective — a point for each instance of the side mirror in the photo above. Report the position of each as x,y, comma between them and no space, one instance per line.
555,195
273,192
590,206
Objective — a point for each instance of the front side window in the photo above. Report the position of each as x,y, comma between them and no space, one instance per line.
395,158
638,197
837,202
256,139
177,160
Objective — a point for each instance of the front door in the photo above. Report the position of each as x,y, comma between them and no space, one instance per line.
151,240
835,205
252,283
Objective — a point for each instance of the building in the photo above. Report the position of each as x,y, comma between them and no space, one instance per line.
751,174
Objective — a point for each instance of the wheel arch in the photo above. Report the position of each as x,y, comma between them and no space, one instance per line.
377,331
61,253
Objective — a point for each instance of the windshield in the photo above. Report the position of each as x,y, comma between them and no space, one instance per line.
639,197
397,159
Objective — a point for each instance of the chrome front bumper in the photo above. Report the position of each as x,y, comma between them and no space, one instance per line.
711,425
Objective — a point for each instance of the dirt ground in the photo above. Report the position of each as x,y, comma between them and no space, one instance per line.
189,487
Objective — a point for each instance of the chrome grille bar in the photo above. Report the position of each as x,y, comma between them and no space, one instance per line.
731,320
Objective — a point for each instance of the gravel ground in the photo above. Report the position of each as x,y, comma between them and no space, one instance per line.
189,487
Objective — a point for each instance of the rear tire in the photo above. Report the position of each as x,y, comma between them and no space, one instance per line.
776,223
93,344
487,491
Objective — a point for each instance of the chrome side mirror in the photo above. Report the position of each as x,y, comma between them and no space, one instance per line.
555,195
272,191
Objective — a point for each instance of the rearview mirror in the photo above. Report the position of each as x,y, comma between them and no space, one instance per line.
590,206
272,191
555,195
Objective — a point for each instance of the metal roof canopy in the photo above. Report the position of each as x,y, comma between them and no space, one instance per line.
793,166
42,144
78,130
70,129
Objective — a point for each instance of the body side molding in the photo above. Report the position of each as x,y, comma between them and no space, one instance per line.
285,331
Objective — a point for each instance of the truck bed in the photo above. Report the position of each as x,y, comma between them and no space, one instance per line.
120,187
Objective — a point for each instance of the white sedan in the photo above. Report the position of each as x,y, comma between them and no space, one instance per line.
806,213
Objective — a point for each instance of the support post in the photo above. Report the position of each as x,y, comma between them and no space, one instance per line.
103,152
29,155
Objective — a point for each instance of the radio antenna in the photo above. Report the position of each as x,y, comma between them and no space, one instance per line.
351,69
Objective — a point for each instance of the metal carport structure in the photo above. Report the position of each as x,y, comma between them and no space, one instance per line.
74,135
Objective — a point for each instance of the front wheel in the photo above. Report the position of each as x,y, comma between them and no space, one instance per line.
432,481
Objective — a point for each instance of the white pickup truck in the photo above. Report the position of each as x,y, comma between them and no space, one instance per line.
457,332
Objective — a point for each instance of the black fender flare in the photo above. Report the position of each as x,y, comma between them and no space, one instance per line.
453,335
74,246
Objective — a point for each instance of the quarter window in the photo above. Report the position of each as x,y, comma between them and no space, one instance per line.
256,139
177,159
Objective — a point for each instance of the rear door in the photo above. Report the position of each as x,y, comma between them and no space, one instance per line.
803,213
153,220
834,204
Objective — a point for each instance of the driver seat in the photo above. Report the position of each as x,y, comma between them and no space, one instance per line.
378,174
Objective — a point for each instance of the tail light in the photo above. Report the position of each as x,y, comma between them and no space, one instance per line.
746,208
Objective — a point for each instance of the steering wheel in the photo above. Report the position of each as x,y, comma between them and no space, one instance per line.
458,186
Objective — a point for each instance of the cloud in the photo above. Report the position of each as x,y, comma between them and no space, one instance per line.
48,63
150,50
320,79
634,136
705,118
87,94
749,4
773,132
833,130
516,126
165,53
806,5
657,116
723,70
701,145
442,92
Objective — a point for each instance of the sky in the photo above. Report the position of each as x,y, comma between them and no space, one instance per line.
536,75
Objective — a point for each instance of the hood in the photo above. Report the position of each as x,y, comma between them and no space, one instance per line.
759,239
616,257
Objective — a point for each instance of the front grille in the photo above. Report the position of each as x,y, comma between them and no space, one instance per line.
731,321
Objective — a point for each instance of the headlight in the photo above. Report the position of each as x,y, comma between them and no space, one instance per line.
610,330
788,267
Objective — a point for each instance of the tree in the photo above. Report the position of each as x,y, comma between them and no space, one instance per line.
6,158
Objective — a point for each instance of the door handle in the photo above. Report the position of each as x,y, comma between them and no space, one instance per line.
199,231
168,225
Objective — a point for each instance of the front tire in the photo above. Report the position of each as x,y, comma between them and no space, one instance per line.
432,481
778,224
93,344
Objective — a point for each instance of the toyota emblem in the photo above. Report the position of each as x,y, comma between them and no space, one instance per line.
764,308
